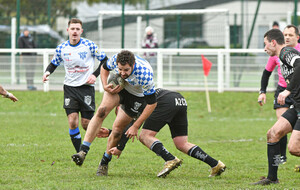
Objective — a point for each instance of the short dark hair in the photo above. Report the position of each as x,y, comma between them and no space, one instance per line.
126,57
275,34
74,21
295,27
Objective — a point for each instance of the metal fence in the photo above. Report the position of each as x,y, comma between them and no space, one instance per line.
179,69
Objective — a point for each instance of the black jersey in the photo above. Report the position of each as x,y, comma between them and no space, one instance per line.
290,69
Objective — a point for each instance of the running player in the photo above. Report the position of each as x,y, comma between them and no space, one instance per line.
77,55
291,36
137,100
288,122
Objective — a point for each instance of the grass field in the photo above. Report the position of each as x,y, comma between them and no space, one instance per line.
36,148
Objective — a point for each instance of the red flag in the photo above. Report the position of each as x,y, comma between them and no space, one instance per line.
206,65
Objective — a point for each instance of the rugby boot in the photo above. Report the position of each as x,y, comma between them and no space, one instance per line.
218,169
297,168
79,157
265,181
102,170
169,166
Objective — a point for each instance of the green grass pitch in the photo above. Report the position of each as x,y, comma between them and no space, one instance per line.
35,147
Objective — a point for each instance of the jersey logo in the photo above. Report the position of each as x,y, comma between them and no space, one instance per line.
88,100
82,55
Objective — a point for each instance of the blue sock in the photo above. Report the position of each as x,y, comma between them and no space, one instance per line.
86,143
75,138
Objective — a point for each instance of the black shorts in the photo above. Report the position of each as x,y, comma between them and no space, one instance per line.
172,110
132,105
80,99
293,117
288,100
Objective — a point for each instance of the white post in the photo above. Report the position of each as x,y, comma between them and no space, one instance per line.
45,64
159,69
138,32
170,68
13,54
220,72
100,30
227,54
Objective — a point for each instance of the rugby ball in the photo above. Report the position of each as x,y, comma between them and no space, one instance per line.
115,79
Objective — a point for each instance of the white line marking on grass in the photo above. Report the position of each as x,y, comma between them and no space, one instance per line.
31,113
230,141
241,119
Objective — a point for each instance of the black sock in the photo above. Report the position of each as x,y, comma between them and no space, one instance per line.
161,151
105,159
75,138
273,159
198,153
283,142
84,148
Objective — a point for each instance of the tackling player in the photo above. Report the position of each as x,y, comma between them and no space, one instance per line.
77,55
171,109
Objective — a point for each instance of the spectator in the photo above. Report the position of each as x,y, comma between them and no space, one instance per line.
26,41
150,41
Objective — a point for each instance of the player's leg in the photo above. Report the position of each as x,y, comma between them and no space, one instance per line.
147,137
283,140
74,132
294,142
278,130
122,120
109,101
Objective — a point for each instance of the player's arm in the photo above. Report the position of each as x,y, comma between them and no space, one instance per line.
7,94
96,73
151,105
295,80
104,76
49,70
263,86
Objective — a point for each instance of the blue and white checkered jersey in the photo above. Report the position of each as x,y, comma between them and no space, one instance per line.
78,60
141,81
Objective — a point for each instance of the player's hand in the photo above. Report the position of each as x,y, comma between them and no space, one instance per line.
132,132
282,96
11,96
109,88
46,76
262,98
102,133
91,80
115,151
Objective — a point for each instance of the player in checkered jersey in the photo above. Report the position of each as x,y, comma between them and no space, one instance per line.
137,101
77,55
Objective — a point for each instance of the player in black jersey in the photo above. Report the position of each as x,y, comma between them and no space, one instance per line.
288,122
171,109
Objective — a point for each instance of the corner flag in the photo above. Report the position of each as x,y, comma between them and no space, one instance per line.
206,68
206,65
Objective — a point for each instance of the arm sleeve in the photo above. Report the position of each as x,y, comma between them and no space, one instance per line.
51,68
97,71
264,81
150,99
295,80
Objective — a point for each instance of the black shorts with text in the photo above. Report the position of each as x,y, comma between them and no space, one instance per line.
288,100
172,110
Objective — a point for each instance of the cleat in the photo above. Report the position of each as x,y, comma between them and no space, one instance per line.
169,166
297,168
265,181
79,158
217,170
102,170
283,159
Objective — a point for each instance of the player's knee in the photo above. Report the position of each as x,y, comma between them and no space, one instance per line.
101,112
116,134
142,138
273,136
85,123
